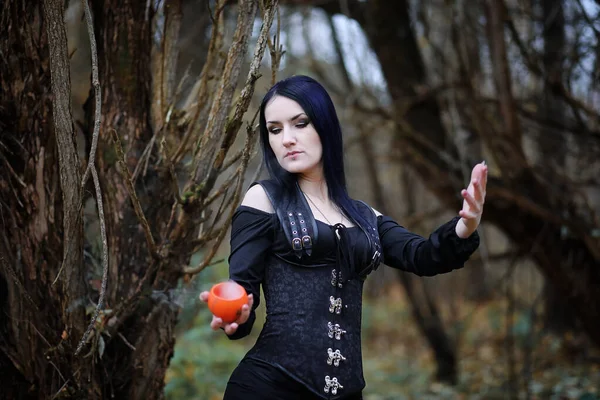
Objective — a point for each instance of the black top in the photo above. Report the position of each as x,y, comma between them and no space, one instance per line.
313,316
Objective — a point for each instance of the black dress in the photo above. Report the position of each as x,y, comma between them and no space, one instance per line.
310,344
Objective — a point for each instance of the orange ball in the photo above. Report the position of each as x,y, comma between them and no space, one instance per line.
225,300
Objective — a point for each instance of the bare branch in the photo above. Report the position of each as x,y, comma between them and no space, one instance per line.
276,49
555,84
224,187
104,261
170,49
97,93
91,168
132,347
203,154
502,76
139,212
235,199
232,128
199,94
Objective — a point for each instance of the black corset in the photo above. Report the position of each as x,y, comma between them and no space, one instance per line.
312,328
313,284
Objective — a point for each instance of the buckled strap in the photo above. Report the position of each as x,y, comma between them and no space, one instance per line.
293,213
296,241
306,239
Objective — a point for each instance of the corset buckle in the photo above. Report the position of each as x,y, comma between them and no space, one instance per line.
334,357
332,384
335,305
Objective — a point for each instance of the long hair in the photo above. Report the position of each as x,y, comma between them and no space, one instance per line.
318,106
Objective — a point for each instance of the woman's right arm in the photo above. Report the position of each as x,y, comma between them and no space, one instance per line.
252,234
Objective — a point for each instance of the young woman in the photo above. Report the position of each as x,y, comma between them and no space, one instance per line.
310,247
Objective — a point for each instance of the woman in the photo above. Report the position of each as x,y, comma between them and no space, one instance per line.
310,246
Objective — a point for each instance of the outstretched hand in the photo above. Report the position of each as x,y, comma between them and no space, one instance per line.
474,198
217,323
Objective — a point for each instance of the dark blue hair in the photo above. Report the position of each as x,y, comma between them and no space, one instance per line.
317,104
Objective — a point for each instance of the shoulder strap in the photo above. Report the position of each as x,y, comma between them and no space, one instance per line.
367,212
372,234
294,216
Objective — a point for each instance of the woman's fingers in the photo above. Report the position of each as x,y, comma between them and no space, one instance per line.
231,328
204,296
474,205
244,314
246,308
468,214
479,192
484,176
216,323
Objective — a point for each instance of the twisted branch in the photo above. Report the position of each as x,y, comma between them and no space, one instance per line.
91,168
97,93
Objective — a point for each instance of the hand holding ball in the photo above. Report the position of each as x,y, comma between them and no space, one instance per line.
225,300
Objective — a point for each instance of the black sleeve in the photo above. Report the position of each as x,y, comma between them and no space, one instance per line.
442,252
252,234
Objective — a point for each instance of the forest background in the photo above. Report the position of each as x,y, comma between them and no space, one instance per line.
128,136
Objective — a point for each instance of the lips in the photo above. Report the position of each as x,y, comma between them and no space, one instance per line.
292,153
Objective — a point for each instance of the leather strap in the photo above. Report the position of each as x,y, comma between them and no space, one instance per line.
294,215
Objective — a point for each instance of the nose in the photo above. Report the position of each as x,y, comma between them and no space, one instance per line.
288,137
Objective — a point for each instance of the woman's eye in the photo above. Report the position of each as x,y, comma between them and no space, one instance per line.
302,124
274,130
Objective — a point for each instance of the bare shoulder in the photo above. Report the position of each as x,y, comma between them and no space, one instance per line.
377,213
256,197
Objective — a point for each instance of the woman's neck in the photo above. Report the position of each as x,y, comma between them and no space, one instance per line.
314,187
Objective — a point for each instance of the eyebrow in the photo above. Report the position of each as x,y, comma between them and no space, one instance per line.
291,119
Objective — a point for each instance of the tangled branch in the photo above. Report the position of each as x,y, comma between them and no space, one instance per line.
91,168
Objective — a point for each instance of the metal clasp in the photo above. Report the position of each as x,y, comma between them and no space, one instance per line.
335,305
334,357
333,384
335,330
336,279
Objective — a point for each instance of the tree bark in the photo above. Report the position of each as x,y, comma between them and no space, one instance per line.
69,170
40,321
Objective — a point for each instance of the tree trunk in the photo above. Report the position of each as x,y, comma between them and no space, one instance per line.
424,309
471,126
557,315
42,322
40,319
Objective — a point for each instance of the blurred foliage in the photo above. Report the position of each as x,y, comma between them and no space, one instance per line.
398,363
203,359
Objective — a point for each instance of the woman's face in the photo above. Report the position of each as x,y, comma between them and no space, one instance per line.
292,137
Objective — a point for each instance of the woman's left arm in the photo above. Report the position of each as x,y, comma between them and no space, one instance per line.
448,247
